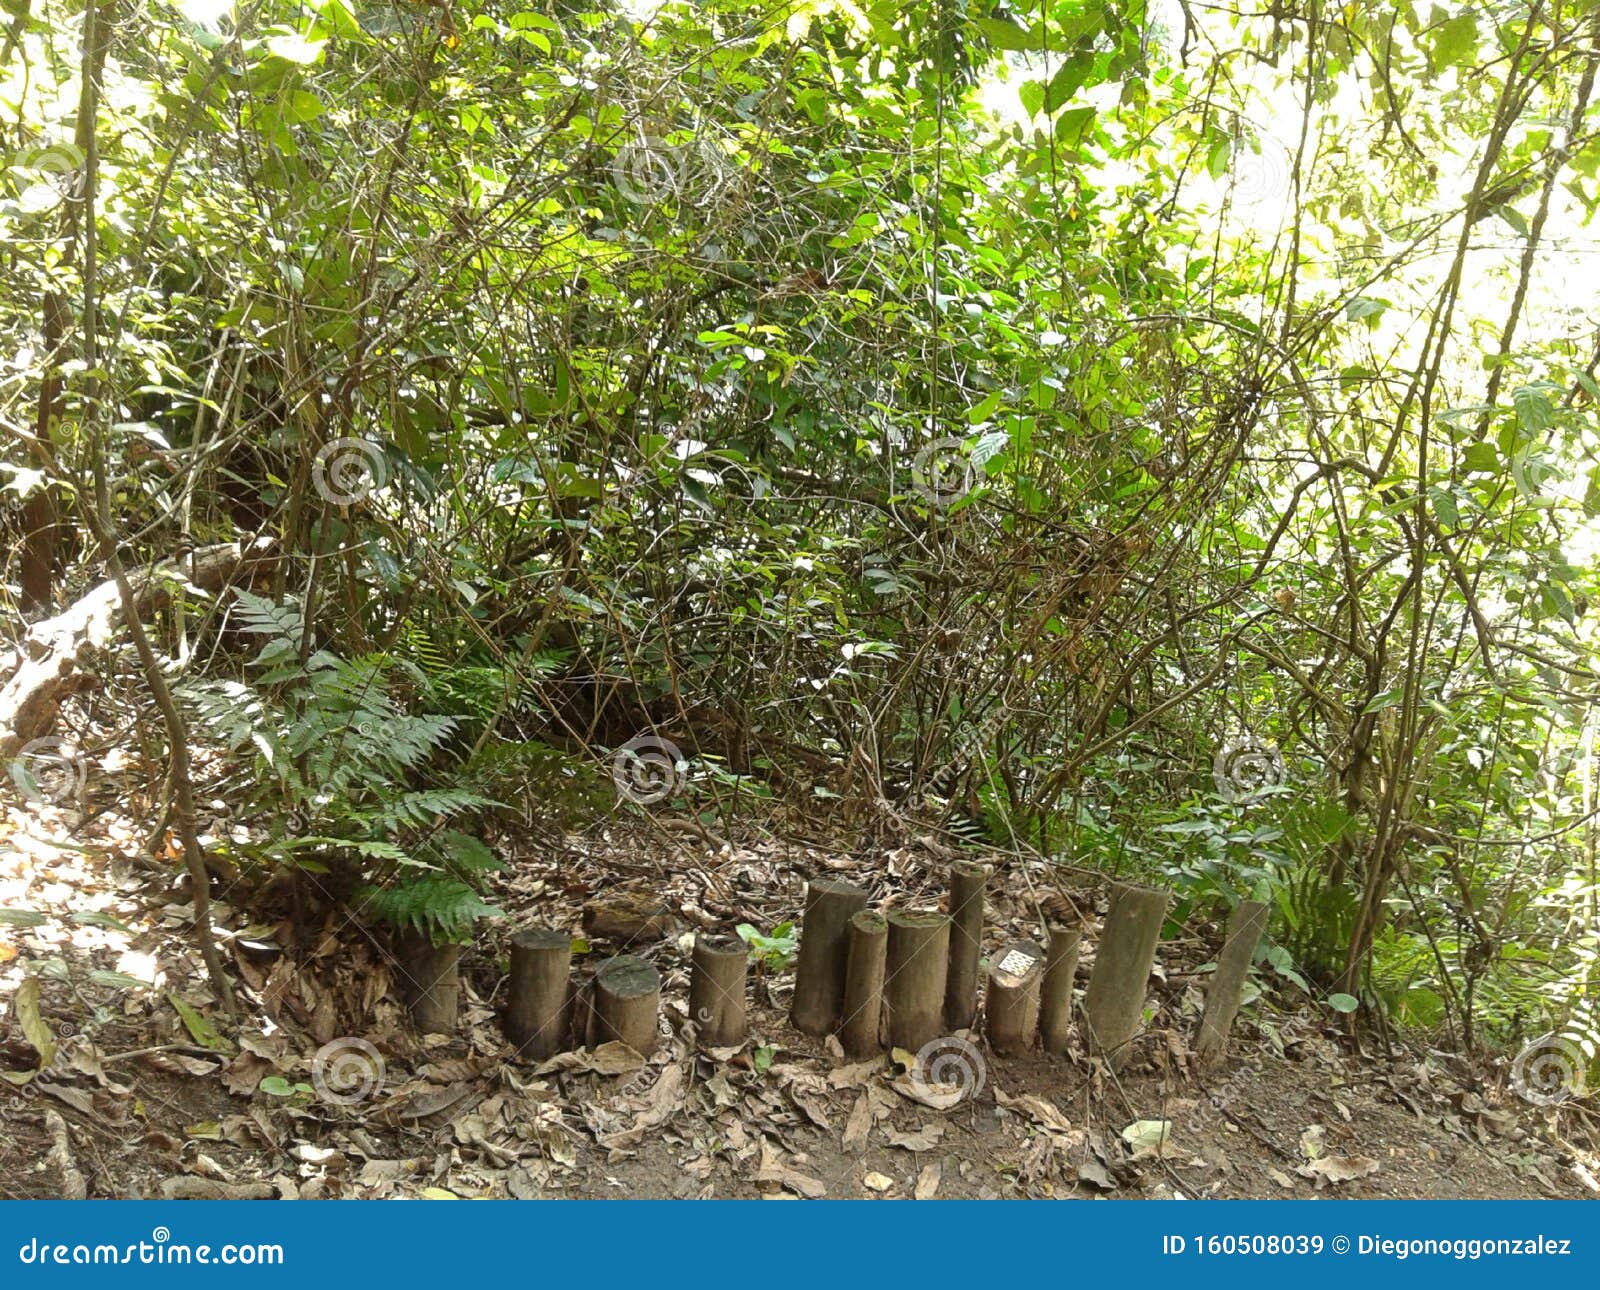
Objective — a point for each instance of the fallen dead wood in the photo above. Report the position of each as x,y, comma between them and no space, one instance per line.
53,651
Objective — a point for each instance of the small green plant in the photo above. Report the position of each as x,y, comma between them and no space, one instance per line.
775,951
335,758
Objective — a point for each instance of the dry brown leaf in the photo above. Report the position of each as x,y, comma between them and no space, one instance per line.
244,1072
608,1059
859,1124
1043,1113
662,1104
854,1075
773,1170
924,1139
1338,1169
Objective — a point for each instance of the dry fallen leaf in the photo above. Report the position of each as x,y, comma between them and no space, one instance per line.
924,1139
928,1182
774,1170
1338,1169
859,1125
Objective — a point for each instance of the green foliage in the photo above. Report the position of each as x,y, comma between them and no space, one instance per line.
334,753
1248,345
774,951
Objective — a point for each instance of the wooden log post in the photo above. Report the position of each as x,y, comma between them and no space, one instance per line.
716,990
627,1003
1011,1003
536,1018
914,982
1249,921
967,882
824,946
1055,994
859,1030
1113,1008
430,982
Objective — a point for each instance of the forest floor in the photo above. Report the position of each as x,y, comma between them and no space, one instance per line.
127,1081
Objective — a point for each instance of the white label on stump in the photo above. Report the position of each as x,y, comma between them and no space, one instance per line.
1017,963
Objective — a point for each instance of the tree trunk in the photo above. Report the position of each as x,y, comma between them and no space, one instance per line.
967,882
1055,995
430,982
1011,1003
541,967
627,1003
717,990
824,944
860,1032
1227,983
918,961
1114,1004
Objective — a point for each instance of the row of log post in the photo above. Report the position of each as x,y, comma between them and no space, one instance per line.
906,978
909,977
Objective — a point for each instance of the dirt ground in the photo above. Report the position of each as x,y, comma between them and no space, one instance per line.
125,1080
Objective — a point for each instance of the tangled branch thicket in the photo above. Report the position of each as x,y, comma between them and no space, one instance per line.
1023,423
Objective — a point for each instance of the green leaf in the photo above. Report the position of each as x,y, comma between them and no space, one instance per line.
1343,1002
25,1004
1002,33
1533,408
1068,80
22,918
202,1031
1455,42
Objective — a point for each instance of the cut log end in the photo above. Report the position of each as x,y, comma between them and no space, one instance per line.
824,946
627,1003
916,970
537,1019
1012,1003
860,1031
717,990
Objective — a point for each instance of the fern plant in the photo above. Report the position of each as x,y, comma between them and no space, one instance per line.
334,753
